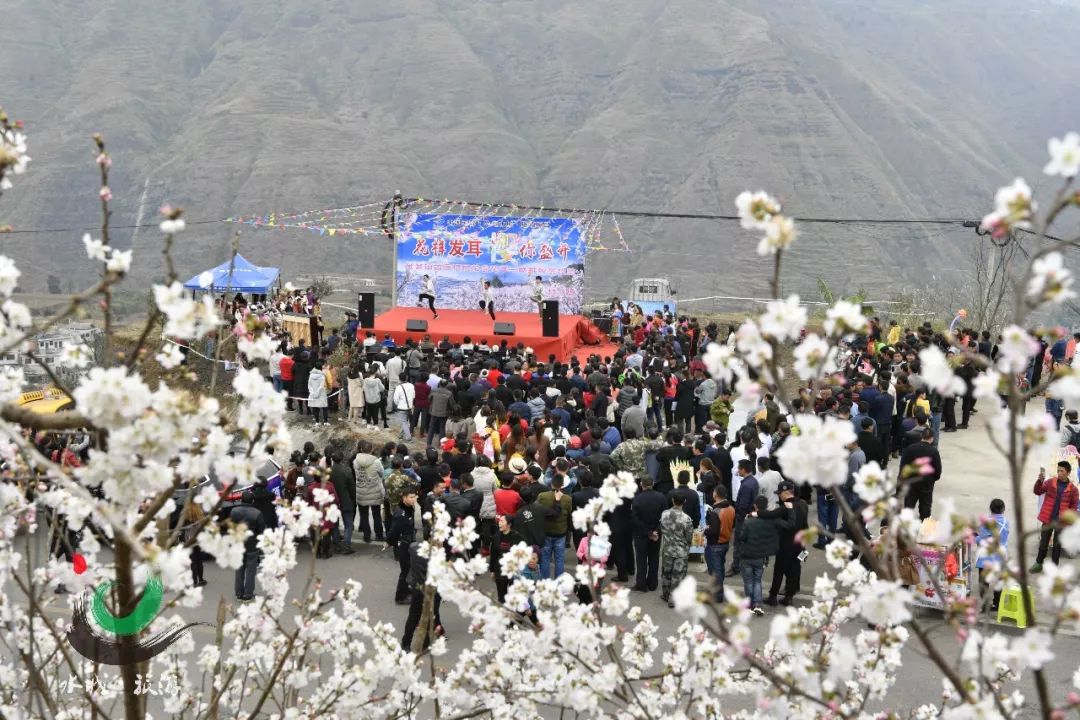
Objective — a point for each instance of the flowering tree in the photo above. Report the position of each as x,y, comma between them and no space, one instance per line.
323,655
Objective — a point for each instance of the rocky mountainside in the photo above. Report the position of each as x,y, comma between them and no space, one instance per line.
895,108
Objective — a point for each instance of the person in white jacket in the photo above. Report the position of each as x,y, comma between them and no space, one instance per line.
317,399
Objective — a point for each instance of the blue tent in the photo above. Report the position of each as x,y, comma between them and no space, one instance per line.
246,278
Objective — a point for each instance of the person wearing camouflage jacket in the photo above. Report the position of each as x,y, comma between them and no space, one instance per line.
677,531
629,456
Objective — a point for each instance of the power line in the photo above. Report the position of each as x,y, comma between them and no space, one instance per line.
98,228
708,216
540,208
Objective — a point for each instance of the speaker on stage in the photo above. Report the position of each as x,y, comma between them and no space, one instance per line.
365,310
504,328
550,318
413,325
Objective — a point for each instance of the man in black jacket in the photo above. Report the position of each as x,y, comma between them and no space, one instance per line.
691,504
344,481
921,487
400,536
418,565
869,443
504,539
457,505
247,514
788,565
530,520
646,509
674,450
759,537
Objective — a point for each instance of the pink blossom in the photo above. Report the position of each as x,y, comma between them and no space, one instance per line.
105,194
104,160
1072,698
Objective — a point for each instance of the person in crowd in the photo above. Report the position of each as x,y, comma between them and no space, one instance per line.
417,580
370,490
746,492
719,528
557,524
1059,495
787,571
646,509
399,536
677,530
923,460
993,531
759,539
247,514
344,481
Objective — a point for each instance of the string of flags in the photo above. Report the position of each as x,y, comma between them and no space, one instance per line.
600,230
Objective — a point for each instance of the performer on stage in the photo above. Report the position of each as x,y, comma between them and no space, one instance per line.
427,292
538,294
488,302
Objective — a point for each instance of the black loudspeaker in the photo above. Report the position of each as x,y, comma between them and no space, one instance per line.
365,310
504,328
416,325
550,318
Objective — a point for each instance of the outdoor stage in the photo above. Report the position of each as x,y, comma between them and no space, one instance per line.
575,332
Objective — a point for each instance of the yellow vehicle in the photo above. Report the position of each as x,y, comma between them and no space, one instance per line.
47,401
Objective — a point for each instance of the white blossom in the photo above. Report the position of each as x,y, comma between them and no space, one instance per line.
755,209
77,356
1015,349
9,276
720,361
170,356
783,320
938,374
119,261
872,483
685,598
884,602
779,234
1032,648
812,356
1050,280
13,157
844,317
171,227
1064,156
819,453
95,249
258,349
185,318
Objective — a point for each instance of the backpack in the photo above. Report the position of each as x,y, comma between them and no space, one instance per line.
559,437
1072,437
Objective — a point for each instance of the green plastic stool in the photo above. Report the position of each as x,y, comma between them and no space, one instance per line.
1011,606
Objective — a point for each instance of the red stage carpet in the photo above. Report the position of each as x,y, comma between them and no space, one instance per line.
575,332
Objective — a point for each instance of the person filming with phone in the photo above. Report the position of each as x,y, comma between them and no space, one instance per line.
1060,494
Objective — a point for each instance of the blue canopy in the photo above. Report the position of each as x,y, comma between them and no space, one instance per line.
246,278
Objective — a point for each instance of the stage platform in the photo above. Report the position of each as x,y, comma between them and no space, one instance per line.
577,335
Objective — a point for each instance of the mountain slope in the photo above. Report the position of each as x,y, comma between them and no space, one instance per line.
903,109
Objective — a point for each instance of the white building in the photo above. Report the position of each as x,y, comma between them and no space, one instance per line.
48,347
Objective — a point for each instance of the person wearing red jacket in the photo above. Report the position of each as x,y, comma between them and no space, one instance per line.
287,363
1059,494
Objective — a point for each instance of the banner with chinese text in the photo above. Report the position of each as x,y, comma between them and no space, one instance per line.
459,252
